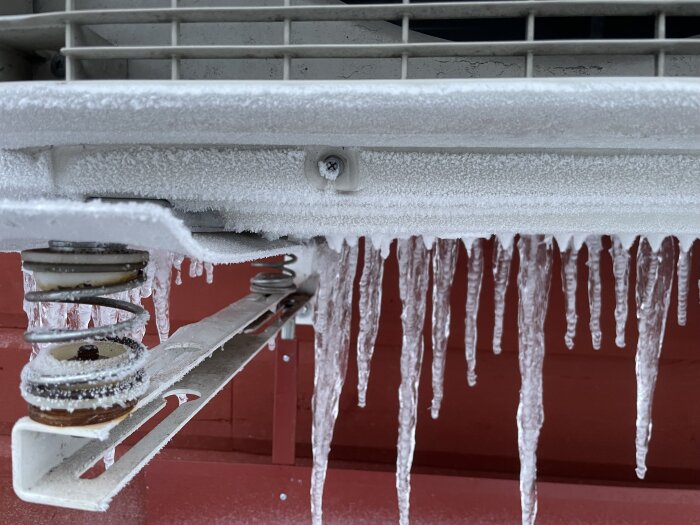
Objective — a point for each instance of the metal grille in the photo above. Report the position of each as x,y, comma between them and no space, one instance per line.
32,33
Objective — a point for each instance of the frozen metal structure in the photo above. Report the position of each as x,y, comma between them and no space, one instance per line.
229,131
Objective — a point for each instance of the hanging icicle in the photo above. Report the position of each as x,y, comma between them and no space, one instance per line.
502,258
621,270
595,246
163,263
413,287
177,264
474,277
569,281
655,268
534,280
683,283
33,310
444,264
370,310
209,272
332,313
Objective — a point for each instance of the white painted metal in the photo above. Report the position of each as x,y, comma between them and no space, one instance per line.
48,461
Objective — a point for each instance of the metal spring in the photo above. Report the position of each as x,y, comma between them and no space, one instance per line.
89,295
274,282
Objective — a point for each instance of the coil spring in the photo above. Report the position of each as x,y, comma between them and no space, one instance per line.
274,282
65,258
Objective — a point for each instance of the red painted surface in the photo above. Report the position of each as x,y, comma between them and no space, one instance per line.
220,468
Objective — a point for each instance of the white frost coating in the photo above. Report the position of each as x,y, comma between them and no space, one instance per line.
370,309
163,263
444,264
475,275
654,280
177,264
684,258
533,285
595,246
502,258
332,314
621,270
209,272
108,458
196,268
413,287
569,280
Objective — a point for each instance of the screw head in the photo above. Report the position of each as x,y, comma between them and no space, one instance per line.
283,497
286,358
331,167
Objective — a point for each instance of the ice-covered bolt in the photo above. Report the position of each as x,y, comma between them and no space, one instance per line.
331,167
286,358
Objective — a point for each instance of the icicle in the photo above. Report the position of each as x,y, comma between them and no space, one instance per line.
272,344
474,278
444,264
413,286
533,285
502,257
569,279
621,269
595,246
163,263
332,314
209,272
108,458
370,310
181,399
177,264
654,280
33,310
683,284
194,268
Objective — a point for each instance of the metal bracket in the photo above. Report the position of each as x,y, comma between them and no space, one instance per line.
47,462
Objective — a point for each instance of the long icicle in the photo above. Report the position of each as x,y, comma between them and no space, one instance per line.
370,304
413,286
621,269
162,277
332,314
683,284
444,264
502,258
475,275
655,270
595,246
534,280
569,281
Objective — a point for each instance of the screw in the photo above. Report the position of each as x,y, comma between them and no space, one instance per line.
283,497
286,358
331,167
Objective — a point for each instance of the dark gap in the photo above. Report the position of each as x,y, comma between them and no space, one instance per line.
594,27
682,26
472,30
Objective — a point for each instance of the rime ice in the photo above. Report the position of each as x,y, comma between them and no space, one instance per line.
413,286
444,263
370,308
533,285
502,257
654,279
332,313
474,278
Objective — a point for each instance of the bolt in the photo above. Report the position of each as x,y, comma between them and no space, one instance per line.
286,358
331,167
88,353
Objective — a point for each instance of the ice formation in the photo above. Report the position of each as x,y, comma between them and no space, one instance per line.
595,246
569,279
108,458
33,310
209,272
413,286
370,303
683,284
196,268
534,279
332,314
621,270
444,264
474,277
655,268
502,258
163,264
177,264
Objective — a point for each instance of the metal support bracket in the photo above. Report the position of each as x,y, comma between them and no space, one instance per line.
48,462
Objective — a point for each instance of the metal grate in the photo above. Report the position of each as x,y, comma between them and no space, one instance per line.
35,32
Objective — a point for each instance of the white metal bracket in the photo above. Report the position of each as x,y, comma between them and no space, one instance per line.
48,462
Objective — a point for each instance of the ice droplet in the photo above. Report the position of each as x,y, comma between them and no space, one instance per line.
534,279
413,286
370,304
444,264
595,246
332,314
654,280
475,275
621,270
502,258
